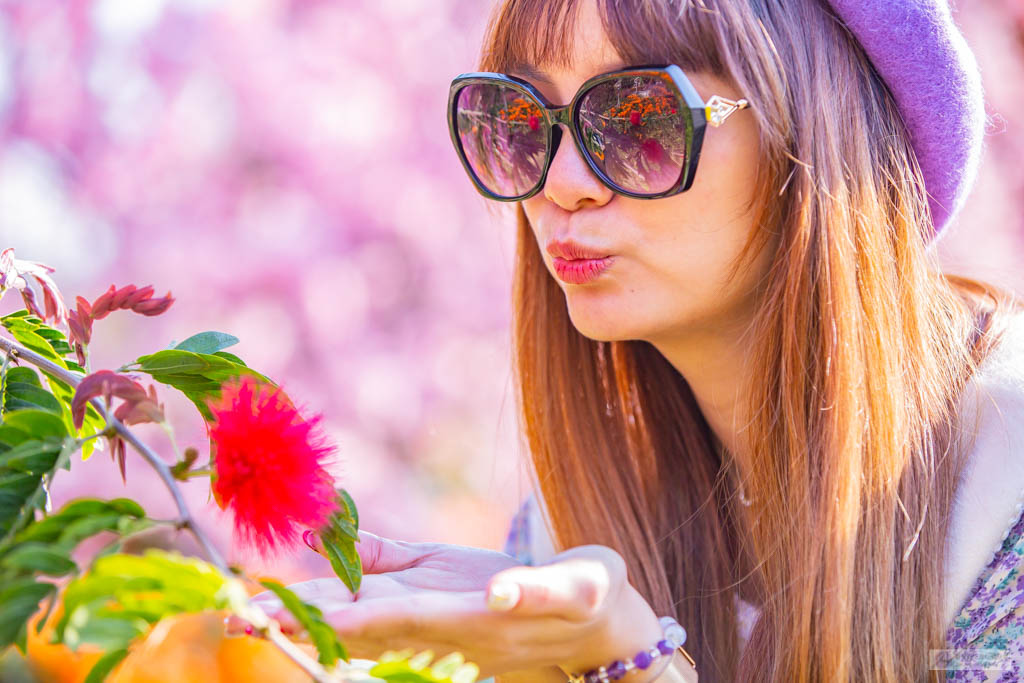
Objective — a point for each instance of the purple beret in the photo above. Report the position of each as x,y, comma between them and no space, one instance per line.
933,76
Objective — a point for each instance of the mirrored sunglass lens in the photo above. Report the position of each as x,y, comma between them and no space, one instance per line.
635,129
503,137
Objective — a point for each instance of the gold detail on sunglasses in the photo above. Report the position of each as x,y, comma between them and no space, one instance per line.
718,109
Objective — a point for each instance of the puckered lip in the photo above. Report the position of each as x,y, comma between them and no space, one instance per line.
572,251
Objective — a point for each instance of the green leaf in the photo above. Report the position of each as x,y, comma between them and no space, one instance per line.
122,594
32,456
27,336
38,423
347,517
38,336
104,665
404,667
323,635
21,494
20,600
24,375
197,375
19,395
231,357
39,557
339,537
16,492
108,631
344,559
207,342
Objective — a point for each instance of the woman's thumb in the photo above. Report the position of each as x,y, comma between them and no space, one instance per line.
574,586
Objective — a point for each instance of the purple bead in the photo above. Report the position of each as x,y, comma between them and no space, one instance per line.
642,660
616,670
592,677
664,647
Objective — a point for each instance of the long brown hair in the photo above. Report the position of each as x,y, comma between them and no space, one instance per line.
859,351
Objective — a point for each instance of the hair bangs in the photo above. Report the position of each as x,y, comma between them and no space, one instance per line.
541,33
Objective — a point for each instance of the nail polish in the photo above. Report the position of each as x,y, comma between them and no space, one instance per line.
503,596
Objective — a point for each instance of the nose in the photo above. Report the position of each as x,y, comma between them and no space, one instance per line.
571,183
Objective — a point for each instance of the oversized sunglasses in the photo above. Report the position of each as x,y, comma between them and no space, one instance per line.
640,130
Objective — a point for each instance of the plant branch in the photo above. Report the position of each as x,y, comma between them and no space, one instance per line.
15,350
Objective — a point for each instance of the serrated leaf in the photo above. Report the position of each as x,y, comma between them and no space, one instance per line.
207,342
104,665
38,557
323,635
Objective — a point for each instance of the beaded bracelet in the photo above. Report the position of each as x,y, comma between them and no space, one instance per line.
674,637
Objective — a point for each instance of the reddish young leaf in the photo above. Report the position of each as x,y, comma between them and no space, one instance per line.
153,306
107,384
144,410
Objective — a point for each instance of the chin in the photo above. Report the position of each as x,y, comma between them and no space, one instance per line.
602,328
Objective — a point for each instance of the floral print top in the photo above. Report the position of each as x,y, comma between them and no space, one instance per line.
985,641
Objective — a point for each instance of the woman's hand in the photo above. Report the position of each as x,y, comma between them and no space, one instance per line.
577,611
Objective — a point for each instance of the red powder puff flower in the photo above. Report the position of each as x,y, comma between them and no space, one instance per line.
268,465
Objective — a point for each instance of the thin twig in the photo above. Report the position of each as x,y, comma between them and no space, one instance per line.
15,350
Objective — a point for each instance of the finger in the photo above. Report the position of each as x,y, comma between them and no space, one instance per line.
575,586
236,626
376,553
420,615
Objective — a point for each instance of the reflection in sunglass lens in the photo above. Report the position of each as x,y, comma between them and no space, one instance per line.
634,129
503,136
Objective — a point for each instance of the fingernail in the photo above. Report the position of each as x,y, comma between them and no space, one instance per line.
233,627
503,596
307,538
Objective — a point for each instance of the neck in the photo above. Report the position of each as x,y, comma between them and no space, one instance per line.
713,363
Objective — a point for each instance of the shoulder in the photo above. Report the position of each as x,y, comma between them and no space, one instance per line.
990,495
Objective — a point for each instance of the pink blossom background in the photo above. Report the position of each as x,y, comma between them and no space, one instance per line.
283,167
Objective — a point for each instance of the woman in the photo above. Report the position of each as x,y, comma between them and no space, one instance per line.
755,391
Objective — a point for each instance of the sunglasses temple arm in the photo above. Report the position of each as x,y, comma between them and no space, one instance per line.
718,109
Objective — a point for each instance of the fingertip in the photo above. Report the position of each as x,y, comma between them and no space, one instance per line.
310,538
235,626
503,595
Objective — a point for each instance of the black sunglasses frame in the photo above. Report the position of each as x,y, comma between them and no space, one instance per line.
695,124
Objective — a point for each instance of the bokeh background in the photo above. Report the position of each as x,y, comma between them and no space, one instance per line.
283,167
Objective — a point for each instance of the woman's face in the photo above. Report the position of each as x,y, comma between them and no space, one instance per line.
668,279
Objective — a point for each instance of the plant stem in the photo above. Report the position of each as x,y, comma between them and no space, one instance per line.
15,350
